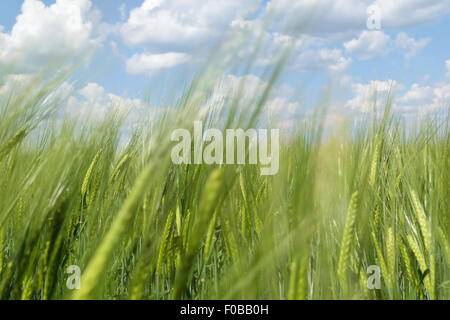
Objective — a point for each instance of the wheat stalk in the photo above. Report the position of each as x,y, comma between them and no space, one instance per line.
390,249
421,260
374,164
426,234
406,261
347,237
87,177
209,235
208,204
165,242
381,260
93,272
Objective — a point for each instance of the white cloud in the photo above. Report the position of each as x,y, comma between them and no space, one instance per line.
363,94
370,44
441,96
283,109
416,94
12,86
44,34
308,53
227,87
418,99
149,63
26,89
169,31
93,92
426,98
93,101
159,27
321,59
410,45
280,109
179,24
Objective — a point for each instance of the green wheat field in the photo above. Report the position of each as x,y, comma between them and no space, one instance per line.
106,197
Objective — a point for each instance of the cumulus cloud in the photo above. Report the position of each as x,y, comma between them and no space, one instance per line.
418,99
149,63
421,98
370,44
167,27
44,34
417,94
363,94
13,82
282,108
441,96
321,59
169,31
410,45
93,101
244,93
228,87
93,92
176,24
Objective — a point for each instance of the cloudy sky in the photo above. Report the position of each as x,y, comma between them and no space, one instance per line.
131,45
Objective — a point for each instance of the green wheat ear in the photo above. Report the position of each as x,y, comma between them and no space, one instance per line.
421,260
426,234
444,245
231,243
93,273
381,260
119,167
298,280
347,238
293,275
87,178
406,261
209,235
422,219
390,249
11,143
374,164
165,242
208,203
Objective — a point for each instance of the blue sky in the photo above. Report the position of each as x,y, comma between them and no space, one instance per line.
137,46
